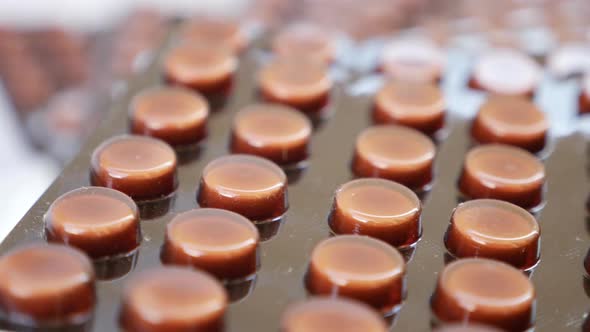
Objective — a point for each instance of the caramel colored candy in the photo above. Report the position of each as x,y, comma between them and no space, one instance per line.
175,115
214,30
139,166
173,299
379,208
503,172
358,267
395,153
272,131
417,105
220,242
305,40
298,82
508,72
46,284
494,229
322,314
484,291
413,59
99,221
251,186
205,67
584,99
511,120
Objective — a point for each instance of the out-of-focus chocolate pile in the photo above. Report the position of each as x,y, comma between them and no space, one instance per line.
60,82
534,25
358,19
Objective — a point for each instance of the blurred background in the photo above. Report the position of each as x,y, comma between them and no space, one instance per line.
62,62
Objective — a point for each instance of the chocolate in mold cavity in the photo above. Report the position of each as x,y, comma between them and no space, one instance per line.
175,115
100,221
584,98
323,314
173,299
379,208
214,30
46,285
484,291
220,242
503,172
396,153
298,82
248,185
417,105
511,120
208,68
272,131
142,167
494,229
305,40
358,267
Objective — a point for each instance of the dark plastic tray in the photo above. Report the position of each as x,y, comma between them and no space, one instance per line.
561,297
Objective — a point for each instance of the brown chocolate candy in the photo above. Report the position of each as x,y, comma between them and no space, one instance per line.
214,30
46,285
511,120
494,229
395,153
584,99
175,115
323,314
358,267
417,105
205,67
220,242
298,82
379,208
173,299
305,40
272,131
251,186
484,291
503,172
102,222
139,166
